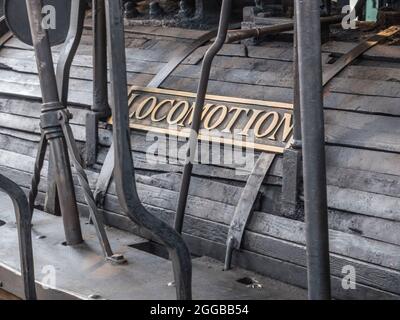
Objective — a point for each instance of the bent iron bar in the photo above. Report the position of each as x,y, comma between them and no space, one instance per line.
313,142
23,218
198,109
124,172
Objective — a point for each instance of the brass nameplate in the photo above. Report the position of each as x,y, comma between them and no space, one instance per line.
260,125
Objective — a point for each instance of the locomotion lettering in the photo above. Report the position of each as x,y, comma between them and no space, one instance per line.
224,119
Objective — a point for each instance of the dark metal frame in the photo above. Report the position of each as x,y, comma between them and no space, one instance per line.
23,218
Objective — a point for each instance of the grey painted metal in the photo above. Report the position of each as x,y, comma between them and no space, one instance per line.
104,179
180,55
124,172
292,155
23,218
348,58
64,117
245,206
239,35
100,107
100,88
198,109
53,130
296,91
69,48
313,133
40,156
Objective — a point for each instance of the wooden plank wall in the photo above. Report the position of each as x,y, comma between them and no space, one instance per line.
362,135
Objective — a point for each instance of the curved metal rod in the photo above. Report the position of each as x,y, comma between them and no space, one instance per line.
23,218
40,156
69,48
198,110
124,172
64,63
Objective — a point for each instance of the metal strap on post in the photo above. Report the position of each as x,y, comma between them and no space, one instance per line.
245,205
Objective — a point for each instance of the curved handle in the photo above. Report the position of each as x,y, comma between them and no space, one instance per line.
198,110
124,172
23,218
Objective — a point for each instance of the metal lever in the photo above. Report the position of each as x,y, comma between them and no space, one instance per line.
23,218
64,63
100,108
124,172
64,117
201,95
57,132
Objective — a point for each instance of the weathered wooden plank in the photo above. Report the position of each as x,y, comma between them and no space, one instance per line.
366,104
380,52
362,130
362,180
140,144
217,230
370,204
357,247
245,205
32,125
366,87
341,243
368,227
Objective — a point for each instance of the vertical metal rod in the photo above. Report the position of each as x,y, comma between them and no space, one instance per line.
198,110
124,172
62,75
100,107
69,48
100,89
51,103
313,133
296,90
23,218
